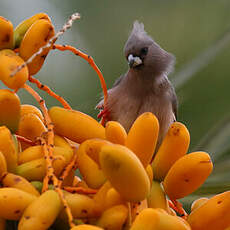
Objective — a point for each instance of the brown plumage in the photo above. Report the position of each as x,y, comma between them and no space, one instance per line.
145,86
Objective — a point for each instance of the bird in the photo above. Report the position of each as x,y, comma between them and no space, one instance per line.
145,87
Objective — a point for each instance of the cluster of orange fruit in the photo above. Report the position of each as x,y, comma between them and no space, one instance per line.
121,184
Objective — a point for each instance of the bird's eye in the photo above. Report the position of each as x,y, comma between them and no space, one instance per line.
144,50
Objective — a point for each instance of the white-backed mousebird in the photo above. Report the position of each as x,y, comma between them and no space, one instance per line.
145,86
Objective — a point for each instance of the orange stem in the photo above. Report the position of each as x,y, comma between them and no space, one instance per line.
48,154
80,190
25,140
50,92
68,168
90,60
177,206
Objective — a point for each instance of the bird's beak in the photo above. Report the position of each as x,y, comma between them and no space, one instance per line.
134,61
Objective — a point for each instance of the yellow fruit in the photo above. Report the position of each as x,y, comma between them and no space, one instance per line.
197,203
115,133
6,34
21,29
99,197
92,148
136,208
125,172
30,153
213,214
75,125
9,62
142,137
13,202
86,227
89,169
35,37
112,198
174,146
157,197
10,109
30,126
149,171
81,206
61,142
25,109
3,165
158,219
15,181
36,152
8,148
187,174
113,218
41,213
36,169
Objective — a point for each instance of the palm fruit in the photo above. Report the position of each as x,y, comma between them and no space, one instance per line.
81,206
142,137
41,213
13,202
198,202
86,227
99,197
6,34
174,146
92,148
36,169
10,109
87,154
115,133
35,37
149,171
75,125
61,142
9,62
3,165
31,126
25,109
22,28
159,219
8,148
112,198
15,181
36,152
125,172
187,174
213,214
157,197
113,218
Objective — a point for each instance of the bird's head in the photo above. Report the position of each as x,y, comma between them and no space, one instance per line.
144,54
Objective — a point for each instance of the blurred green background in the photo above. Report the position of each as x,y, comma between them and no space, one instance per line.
197,32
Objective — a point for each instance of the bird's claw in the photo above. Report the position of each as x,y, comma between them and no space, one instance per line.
104,115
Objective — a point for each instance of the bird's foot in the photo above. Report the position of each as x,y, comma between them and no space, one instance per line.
104,115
